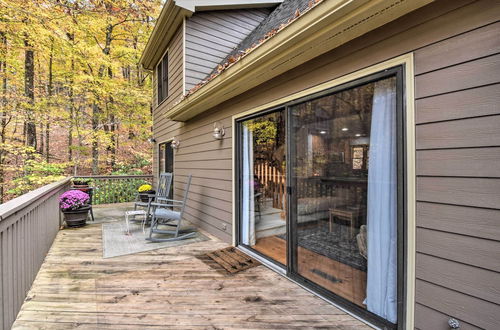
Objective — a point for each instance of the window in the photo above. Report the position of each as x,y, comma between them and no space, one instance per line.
162,78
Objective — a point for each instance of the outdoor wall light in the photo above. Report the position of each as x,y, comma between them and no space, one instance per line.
218,131
175,143
152,140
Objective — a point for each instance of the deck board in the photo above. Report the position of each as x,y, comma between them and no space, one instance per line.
171,288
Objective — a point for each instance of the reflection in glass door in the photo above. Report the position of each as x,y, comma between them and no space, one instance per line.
166,161
344,173
262,170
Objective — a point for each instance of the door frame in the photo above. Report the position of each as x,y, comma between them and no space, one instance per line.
173,162
407,287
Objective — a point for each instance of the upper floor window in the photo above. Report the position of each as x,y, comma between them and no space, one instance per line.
162,78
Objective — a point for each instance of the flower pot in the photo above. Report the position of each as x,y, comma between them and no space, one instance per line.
76,218
144,196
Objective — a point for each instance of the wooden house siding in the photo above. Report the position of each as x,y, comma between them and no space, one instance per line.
161,125
457,81
211,36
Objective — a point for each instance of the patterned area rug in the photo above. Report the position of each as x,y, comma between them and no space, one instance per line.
116,242
335,245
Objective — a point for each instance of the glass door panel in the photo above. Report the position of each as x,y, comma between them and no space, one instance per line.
344,176
262,172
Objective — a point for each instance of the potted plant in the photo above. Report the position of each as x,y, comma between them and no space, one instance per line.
79,182
144,191
74,206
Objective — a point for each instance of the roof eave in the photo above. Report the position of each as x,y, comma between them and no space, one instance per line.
325,27
171,17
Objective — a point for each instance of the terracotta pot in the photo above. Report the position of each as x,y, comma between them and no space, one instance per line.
76,218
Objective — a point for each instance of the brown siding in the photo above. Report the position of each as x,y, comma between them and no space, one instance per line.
212,35
161,125
457,67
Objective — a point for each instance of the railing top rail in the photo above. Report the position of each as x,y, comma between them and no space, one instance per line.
142,176
18,203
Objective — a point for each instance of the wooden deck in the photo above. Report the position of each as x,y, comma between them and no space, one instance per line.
170,288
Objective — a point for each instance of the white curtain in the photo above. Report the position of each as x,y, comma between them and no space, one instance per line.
382,202
247,210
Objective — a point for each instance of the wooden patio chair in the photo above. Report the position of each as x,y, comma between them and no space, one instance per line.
164,183
169,212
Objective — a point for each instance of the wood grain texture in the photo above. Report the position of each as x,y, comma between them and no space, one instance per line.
174,287
473,162
428,318
478,312
474,281
479,43
481,101
463,133
471,74
460,191
210,37
472,221
465,249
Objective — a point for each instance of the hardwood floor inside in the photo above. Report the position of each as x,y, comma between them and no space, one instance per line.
339,278
170,288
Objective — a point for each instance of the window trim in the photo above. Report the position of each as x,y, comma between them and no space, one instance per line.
405,156
158,102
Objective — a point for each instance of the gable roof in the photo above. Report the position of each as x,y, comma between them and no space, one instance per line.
172,15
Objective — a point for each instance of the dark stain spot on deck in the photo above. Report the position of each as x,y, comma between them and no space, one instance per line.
252,299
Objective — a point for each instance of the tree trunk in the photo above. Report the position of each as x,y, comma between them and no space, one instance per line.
29,92
4,122
71,37
50,93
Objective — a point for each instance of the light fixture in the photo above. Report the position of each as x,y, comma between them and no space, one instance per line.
175,143
322,132
218,131
358,135
152,140
345,129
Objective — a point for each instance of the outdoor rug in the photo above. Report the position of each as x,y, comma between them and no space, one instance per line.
232,259
116,242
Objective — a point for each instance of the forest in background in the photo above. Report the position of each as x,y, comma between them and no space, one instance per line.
73,97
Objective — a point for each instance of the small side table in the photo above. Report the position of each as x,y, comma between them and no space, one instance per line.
349,214
133,214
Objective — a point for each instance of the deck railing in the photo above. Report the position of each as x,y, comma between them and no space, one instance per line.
28,226
109,189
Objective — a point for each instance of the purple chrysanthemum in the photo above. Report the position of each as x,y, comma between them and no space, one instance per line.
73,200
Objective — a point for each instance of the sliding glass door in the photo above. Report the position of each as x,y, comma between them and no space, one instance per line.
262,184
320,184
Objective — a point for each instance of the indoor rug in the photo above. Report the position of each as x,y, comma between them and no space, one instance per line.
116,242
335,245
